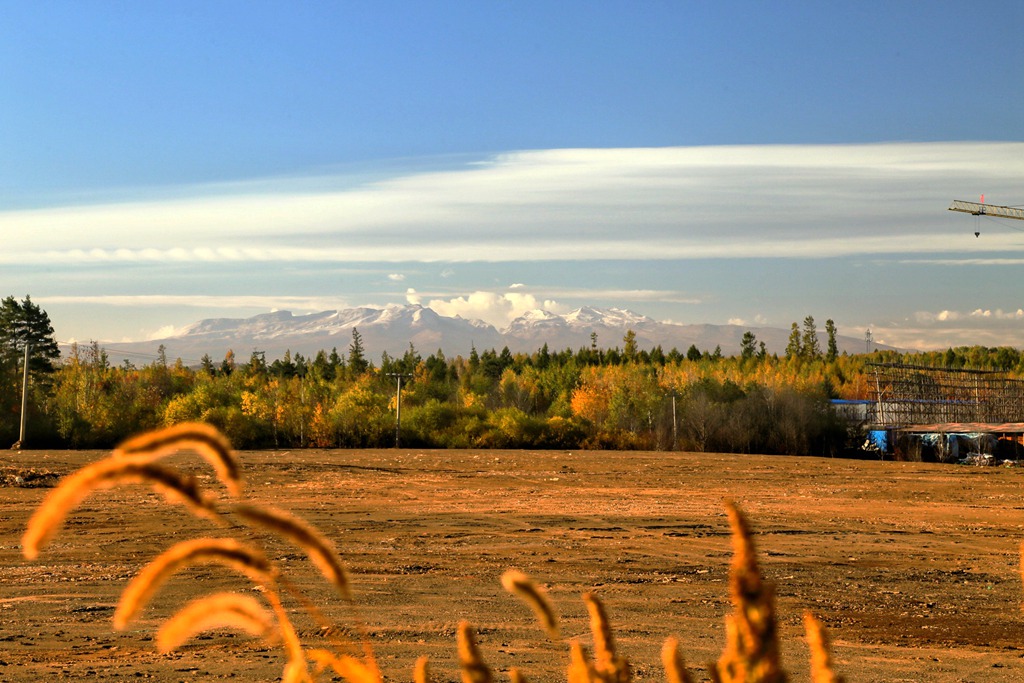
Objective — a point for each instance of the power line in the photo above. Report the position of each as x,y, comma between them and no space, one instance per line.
133,354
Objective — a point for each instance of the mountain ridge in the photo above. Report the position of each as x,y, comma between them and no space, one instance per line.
394,327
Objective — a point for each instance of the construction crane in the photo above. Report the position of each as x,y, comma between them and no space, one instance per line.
993,210
989,210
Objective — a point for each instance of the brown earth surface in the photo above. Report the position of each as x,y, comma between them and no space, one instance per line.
914,568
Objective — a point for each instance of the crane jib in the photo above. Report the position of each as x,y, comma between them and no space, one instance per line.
993,210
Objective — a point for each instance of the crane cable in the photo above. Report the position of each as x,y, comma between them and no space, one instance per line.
998,220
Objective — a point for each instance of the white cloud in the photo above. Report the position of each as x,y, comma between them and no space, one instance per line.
165,332
233,302
929,338
930,317
999,314
950,328
578,204
758,320
983,315
396,277
498,309
963,262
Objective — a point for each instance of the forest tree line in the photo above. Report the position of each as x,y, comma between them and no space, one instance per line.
622,397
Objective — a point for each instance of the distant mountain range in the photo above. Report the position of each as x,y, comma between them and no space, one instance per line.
392,328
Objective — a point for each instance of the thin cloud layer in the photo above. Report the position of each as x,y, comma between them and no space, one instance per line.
981,326
203,301
586,204
984,315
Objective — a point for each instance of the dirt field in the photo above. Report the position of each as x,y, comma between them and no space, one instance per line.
914,568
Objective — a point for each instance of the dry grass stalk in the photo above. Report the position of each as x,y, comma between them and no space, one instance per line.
672,660
221,610
518,583
752,642
195,436
292,643
821,658
319,550
421,671
580,669
474,670
296,672
104,474
604,646
516,676
223,551
607,665
349,668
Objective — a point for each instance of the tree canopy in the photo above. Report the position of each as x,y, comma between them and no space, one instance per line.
595,398
23,325
26,324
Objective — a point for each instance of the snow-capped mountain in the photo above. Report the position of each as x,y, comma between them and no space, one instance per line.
578,328
607,317
393,328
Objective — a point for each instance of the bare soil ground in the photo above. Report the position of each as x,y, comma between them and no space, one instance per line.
914,568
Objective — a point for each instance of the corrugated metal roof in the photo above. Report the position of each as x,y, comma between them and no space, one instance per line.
966,428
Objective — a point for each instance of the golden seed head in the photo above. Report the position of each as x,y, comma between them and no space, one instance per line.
104,474
474,670
221,610
346,666
319,550
518,583
580,670
752,647
201,438
672,660
604,646
421,671
821,658
224,551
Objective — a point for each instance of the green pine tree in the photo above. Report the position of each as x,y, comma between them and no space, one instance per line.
357,362
794,347
26,323
810,348
832,353
630,350
748,345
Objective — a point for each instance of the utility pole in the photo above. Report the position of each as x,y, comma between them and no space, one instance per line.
302,402
675,432
398,406
24,397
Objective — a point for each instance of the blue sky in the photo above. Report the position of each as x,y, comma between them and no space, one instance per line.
743,162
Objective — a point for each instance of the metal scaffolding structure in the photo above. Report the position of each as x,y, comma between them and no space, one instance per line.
907,395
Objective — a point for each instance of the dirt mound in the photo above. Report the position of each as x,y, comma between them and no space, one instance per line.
28,478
